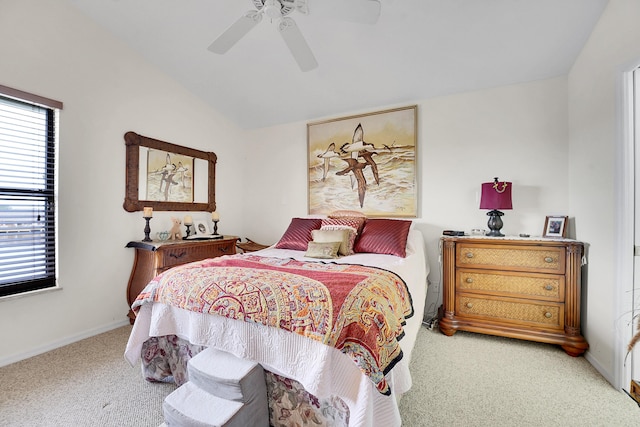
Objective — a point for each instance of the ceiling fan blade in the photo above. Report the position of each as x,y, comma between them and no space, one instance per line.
358,11
236,31
297,44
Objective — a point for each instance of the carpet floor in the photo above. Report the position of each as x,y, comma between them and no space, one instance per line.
463,380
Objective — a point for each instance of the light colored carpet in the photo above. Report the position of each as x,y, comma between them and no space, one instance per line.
87,383
479,380
464,380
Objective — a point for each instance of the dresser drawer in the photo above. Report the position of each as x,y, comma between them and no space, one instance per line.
514,258
548,287
182,254
228,248
504,310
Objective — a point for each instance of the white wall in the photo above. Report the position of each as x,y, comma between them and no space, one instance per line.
595,108
49,49
518,133
559,163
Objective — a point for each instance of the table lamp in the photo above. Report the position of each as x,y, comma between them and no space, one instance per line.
495,195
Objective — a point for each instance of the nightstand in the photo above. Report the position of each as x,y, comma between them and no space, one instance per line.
518,288
152,258
250,246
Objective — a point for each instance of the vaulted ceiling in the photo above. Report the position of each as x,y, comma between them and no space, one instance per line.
418,49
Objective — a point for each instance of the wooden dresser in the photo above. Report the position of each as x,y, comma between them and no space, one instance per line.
517,288
152,258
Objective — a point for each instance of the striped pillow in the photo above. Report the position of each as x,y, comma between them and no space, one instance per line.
351,221
384,236
298,234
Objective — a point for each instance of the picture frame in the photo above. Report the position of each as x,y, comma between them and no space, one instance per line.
201,228
555,226
365,162
202,164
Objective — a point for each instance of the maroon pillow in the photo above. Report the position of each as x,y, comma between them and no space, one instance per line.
298,235
384,236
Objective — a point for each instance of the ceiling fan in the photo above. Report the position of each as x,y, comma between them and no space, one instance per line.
365,11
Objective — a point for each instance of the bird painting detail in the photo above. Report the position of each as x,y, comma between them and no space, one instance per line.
356,168
329,154
356,149
357,144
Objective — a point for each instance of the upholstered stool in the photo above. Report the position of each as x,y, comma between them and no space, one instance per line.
223,390
190,406
227,376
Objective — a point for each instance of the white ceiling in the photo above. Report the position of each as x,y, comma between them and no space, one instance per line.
417,50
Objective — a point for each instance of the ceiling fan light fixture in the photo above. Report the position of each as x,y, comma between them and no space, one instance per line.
272,8
364,11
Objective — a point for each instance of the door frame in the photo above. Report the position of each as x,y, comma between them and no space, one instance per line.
625,227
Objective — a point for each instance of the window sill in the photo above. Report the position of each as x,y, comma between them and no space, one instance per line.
30,293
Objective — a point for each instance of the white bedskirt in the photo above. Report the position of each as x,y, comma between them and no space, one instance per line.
322,370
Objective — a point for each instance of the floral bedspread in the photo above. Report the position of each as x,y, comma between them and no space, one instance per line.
166,358
356,309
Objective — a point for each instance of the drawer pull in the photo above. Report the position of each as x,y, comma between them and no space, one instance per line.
469,280
469,254
469,305
548,259
549,287
548,315
177,256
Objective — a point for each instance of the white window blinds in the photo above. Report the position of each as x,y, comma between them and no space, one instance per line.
27,196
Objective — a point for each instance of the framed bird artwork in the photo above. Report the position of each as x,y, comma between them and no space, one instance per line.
168,177
365,162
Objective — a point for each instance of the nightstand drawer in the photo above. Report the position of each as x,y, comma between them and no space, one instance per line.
225,249
549,287
505,310
514,258
182,254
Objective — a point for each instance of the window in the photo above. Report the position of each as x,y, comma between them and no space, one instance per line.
27,192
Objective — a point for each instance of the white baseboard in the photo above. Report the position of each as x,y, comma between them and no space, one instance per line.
594,362
61,343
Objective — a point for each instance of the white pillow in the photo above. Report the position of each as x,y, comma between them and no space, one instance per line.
326,236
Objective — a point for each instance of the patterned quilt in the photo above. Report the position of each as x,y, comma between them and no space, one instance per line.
356,309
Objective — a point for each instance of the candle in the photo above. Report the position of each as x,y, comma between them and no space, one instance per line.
188,220
215,216
147,212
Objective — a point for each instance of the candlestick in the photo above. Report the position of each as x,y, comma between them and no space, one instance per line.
215,227
188,231
147,229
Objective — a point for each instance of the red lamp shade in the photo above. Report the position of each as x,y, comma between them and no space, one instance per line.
496,195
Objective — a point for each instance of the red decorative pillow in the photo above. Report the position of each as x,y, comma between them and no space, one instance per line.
298,235
384,236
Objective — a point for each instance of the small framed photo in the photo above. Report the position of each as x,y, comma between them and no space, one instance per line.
201,228
555,226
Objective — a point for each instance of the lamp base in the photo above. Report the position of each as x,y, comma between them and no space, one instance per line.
495,223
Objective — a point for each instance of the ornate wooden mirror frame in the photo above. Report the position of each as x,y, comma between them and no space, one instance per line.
133,141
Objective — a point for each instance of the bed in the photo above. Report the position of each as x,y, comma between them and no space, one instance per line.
316,374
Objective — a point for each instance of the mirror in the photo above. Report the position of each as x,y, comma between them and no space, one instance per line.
168,177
